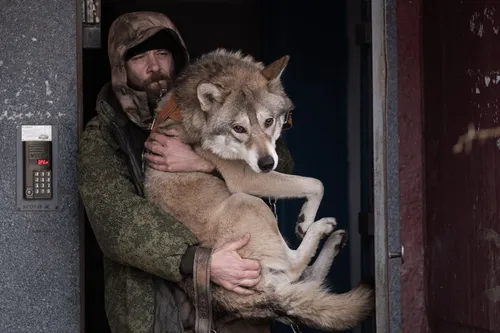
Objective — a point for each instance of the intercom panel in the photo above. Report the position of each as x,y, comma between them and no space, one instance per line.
37,167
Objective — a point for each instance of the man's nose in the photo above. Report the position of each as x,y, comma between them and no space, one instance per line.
153,64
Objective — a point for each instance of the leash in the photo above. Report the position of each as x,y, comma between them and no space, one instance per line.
272,203
202,296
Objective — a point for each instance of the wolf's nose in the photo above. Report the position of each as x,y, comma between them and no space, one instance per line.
266,163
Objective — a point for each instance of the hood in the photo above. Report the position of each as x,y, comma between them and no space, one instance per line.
126,32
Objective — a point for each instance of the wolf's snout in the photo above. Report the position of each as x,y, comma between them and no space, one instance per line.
266,163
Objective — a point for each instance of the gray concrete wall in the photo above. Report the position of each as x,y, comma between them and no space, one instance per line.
39,251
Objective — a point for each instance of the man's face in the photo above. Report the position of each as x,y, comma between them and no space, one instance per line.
151,71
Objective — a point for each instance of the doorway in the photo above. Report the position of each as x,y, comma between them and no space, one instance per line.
327,80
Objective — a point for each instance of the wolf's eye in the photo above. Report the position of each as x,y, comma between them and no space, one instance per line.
268,122
239,129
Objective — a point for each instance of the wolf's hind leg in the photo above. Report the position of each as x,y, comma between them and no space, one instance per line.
301,257
319,270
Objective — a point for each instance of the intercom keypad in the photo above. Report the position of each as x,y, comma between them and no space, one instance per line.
38,168
42,183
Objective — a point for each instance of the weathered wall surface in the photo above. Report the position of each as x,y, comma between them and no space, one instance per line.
39,251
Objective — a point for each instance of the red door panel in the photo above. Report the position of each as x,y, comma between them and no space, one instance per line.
461,75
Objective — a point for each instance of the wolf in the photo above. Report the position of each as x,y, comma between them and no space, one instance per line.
231,109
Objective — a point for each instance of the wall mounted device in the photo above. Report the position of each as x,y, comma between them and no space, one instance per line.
37,152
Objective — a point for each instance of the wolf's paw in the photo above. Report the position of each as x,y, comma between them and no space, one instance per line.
327,225
300,230
302,226
339,238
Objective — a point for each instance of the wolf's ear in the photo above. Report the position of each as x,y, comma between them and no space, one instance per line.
273,71
208,94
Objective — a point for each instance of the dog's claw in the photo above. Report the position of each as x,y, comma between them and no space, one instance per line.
330,224
299,231
341,235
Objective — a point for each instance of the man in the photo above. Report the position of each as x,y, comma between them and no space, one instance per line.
145,250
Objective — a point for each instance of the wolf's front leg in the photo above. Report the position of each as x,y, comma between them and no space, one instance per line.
280,185
240,177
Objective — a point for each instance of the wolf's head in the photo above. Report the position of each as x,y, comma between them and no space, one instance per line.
234,107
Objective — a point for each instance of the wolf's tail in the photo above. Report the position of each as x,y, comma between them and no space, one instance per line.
310,304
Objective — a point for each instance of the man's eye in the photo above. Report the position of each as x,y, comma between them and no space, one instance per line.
138,57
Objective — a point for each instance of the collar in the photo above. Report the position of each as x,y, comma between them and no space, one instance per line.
170,110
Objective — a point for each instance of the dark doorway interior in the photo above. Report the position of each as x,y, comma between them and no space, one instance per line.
315,36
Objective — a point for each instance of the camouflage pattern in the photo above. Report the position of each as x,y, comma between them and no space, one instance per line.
137,239
140,242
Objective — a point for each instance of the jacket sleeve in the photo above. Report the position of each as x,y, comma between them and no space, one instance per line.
129,229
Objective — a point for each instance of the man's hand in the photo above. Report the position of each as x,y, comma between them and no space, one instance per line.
232,272
174,155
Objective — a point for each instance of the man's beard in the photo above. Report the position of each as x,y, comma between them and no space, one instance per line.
155,87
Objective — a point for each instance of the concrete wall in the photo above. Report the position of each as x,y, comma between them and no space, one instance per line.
39,250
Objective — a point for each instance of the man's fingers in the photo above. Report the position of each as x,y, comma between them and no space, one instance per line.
156,159
156,148
250,265
249,283
251,274
162,139
159,167
243,291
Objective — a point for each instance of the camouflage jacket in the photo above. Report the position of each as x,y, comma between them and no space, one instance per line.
144,248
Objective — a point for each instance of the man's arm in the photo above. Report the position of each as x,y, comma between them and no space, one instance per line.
135,232
129,229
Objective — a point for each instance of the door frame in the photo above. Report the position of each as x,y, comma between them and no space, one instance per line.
380,172
398,180
398,166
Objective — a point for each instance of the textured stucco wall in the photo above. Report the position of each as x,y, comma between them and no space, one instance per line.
39,251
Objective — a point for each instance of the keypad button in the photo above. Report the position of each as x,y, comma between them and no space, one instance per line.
42,173
48,173
37,191
36,173
48,185
37,179
48,179
48,191
42,185
42,179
